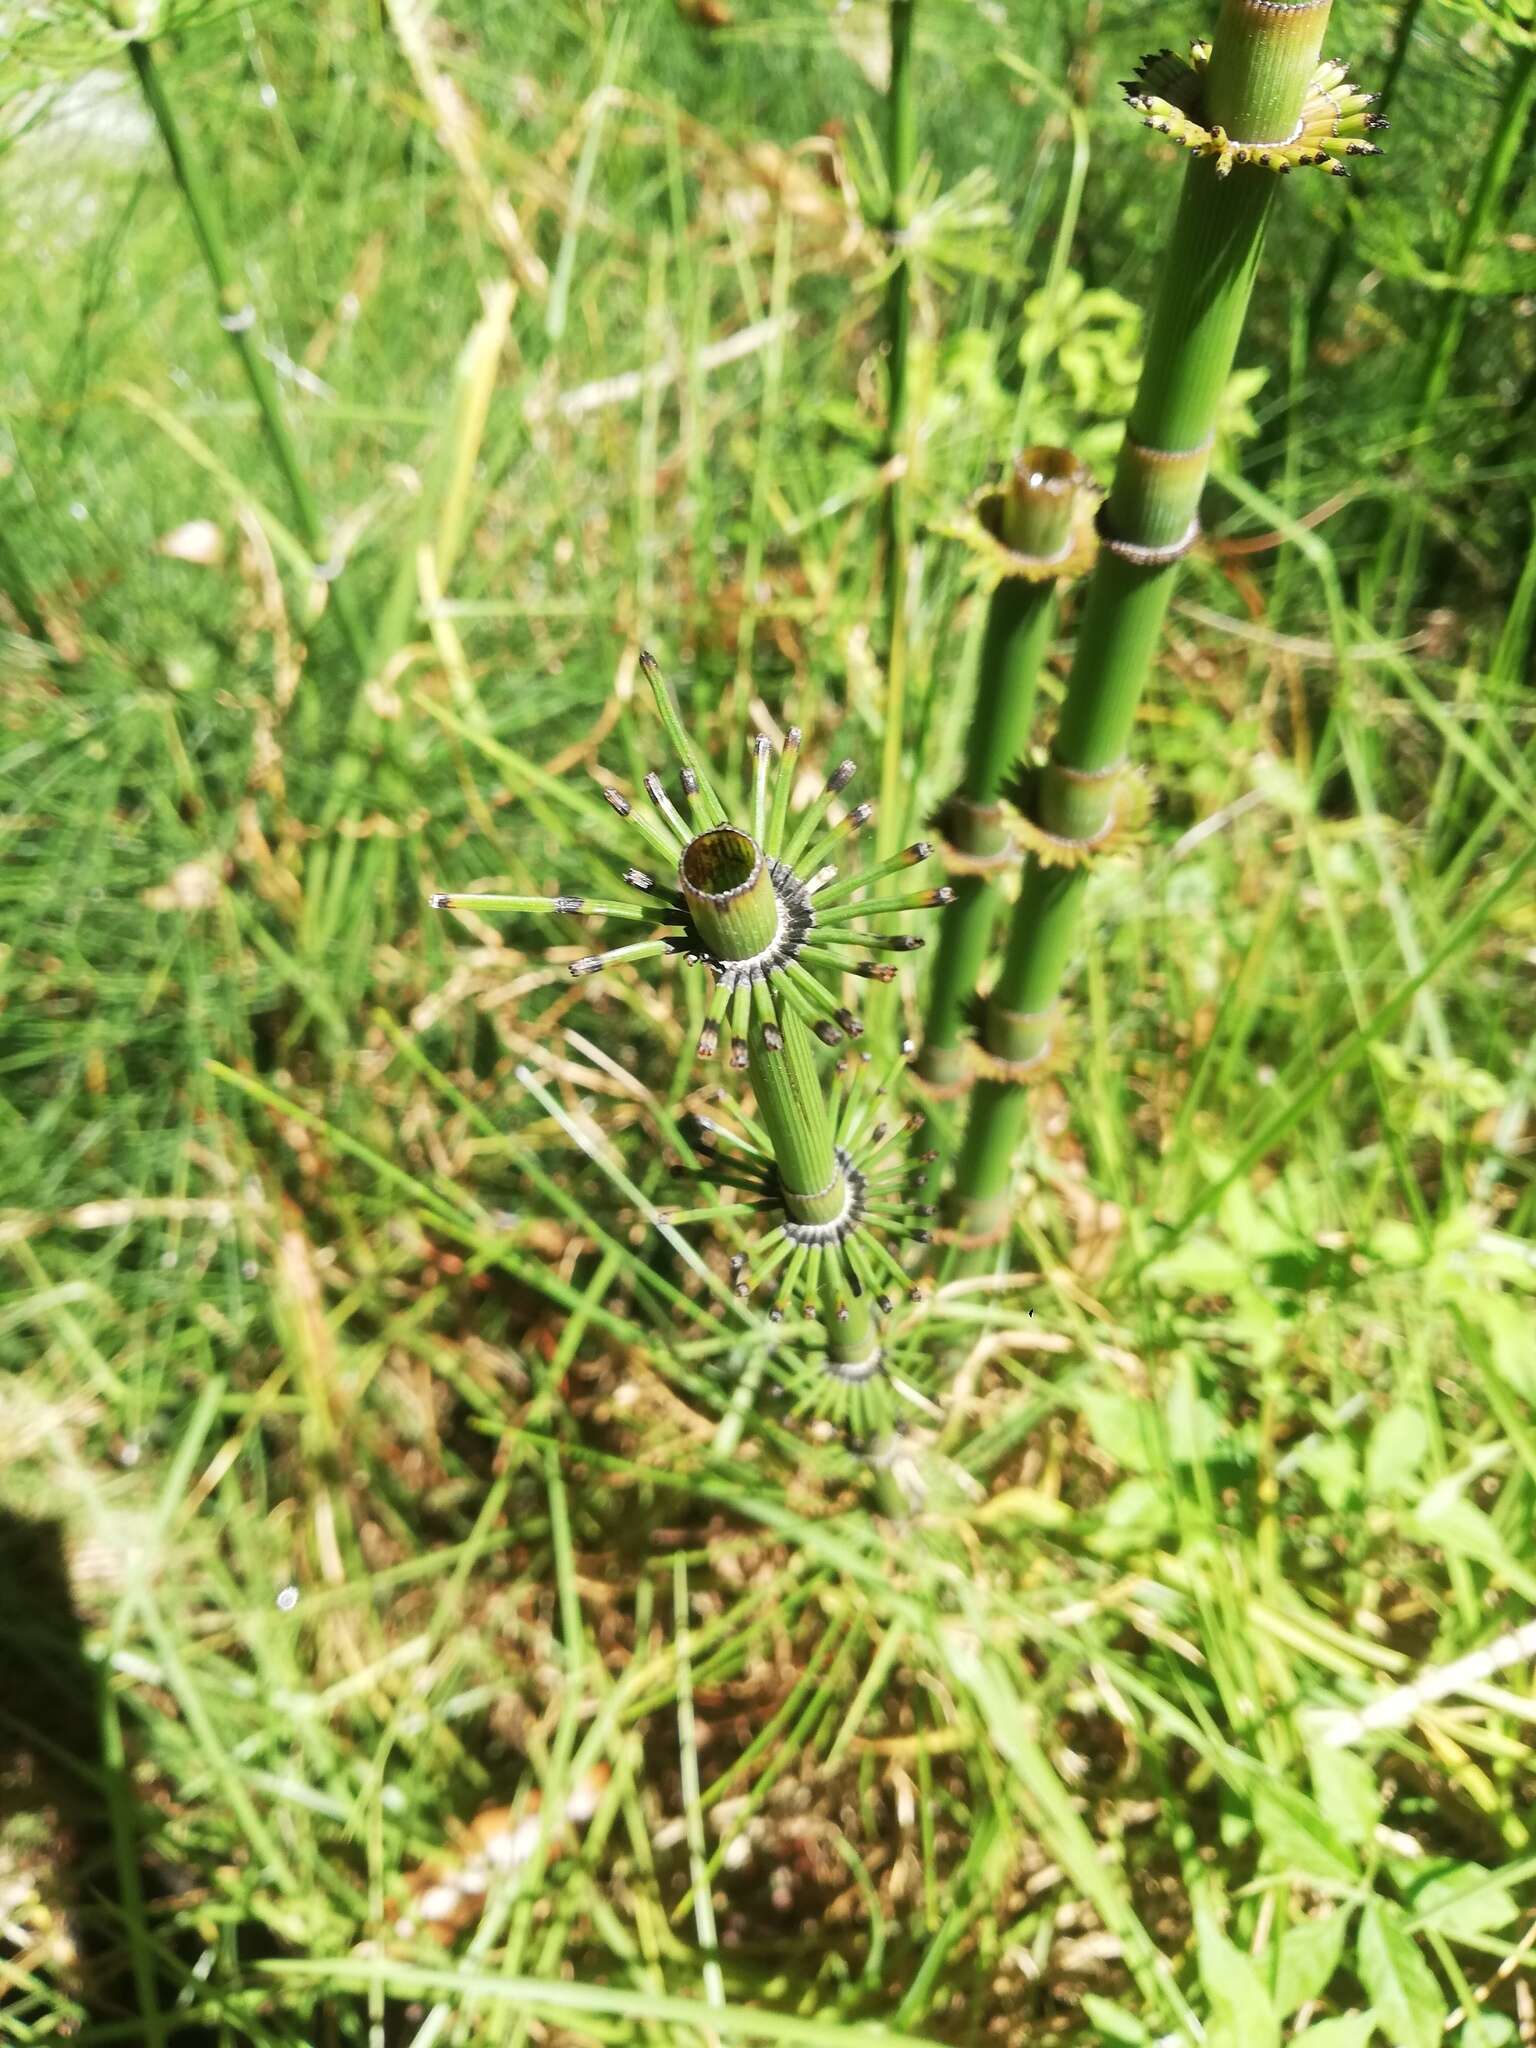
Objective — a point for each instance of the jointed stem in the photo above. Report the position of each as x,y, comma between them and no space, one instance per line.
793,1107
901,156
1034,519
237,316
1260,66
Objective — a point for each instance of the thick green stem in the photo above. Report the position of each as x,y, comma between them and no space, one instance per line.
237,316
793,1109
1260,66
1034,520
1018,1025
724,881
901,157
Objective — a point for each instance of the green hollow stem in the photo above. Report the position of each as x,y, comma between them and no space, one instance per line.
901,159
1261,62
238,317
1041,939
1034,518
724,879
792,1106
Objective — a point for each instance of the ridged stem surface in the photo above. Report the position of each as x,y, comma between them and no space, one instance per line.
792,1105
723,877
725,882
239,319
901,158
1036,519
1260,66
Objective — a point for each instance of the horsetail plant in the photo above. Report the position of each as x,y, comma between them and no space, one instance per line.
1027,537
1255,104
901,163
237,317
757,898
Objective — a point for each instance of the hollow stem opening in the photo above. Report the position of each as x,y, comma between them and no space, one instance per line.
730,897
1037,510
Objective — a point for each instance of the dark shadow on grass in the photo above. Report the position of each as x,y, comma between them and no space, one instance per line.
67,1805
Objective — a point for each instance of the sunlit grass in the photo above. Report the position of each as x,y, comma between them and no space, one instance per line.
377,1431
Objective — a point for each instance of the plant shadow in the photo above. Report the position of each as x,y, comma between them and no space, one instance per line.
68,1817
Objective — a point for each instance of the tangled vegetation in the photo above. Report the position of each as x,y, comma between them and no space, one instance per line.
931,1438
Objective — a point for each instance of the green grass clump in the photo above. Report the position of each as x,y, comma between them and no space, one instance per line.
379,1444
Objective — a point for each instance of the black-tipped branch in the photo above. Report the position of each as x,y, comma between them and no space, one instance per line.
670,816
711,809
817,947
762,755
550,906
847,827
909,857
823,1002
714,1018
886,906
594,963
784,782
659,840
832,788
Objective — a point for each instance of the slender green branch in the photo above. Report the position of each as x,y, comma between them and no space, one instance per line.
901,158
1404,537
237,316
1319,304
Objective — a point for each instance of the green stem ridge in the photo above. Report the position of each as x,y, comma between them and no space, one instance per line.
725,883
1034,520
1255,82
901,161
793,1110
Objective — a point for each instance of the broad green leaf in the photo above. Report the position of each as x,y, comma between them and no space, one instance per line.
1123,1427
1511,1330
1308,1956
1485,2030
1446,1517
1410,2006
1113,2022
1464,1899
1298,1837
1241,2013
1201,1265
1396,1243
1346,1791
1330,1463
1349,2030
1395,1452
1196,1429
1248,1227
1135,1514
